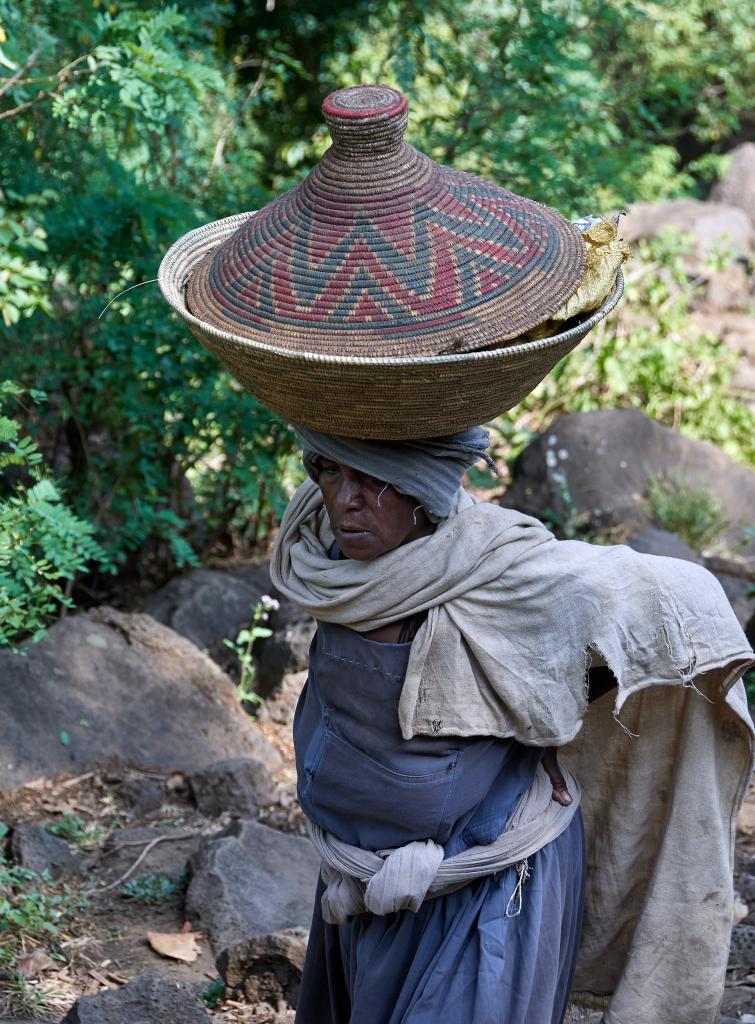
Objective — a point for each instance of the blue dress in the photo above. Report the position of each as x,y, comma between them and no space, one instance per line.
460,958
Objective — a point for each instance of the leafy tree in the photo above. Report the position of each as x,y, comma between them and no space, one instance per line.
42,543
125,124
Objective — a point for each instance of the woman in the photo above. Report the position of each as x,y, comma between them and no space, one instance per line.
501,948
383,294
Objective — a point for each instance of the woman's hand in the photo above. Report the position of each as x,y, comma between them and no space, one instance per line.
561,793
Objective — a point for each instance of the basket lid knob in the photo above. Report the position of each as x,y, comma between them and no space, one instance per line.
366,120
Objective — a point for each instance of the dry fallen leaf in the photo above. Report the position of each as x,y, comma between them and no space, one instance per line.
34,962
176,945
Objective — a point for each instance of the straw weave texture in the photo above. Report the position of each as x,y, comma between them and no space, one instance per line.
393,398
381,251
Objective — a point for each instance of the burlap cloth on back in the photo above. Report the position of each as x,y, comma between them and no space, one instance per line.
513,617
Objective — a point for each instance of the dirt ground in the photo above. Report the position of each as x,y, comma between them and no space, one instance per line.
107,943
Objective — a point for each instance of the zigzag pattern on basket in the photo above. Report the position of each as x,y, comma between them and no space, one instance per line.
397,266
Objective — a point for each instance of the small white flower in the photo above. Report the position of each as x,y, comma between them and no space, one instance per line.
563,453
550,459
269,603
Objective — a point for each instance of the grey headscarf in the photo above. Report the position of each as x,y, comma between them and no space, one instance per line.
430,470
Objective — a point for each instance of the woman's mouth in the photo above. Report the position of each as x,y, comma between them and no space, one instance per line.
352,532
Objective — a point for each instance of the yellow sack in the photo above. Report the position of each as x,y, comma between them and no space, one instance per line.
606,252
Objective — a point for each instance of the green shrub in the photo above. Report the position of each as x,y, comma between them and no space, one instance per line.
647,355
691,512
42,542
151,888
34,910
75,830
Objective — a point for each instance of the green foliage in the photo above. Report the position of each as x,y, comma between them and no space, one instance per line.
213,994
151,888
692,512
243,645
126,124
76,830
34,910
42,542
648,356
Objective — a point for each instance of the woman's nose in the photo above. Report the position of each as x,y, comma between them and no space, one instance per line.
349,494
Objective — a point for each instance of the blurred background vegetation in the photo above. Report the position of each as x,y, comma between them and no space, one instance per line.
125,451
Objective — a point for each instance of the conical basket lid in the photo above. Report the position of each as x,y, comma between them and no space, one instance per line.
381,251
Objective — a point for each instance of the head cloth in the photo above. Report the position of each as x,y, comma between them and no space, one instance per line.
430,470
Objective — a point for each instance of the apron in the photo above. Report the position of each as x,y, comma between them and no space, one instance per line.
461,957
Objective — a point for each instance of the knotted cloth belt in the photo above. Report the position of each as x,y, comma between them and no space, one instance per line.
358,881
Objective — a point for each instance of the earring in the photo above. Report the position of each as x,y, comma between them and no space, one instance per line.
414,514
382,493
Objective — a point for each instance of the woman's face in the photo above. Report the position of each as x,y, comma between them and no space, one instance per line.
367,516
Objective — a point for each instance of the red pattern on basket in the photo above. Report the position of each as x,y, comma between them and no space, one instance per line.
405,265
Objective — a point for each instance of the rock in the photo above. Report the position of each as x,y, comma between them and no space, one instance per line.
738,1003
146,999
737,187
736,586
251,881
148,697
742,948
267,968
35,849
210,605
726,289
714,227
287,650
142,796
240,785
661,542
604,459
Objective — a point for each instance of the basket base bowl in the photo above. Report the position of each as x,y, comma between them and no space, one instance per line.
385,398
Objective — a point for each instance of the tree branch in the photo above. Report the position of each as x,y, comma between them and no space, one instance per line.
18,75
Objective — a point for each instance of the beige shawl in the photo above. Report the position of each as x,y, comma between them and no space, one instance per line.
514,618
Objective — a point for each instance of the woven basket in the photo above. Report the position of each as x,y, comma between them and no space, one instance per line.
382,252
393,398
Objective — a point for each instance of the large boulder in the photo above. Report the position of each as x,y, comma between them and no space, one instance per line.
251,881
714,227
106,685
737,187
239,786
208,606
147,999
287,650
33,848
600,462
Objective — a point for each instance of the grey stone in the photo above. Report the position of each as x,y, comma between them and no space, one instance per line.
208,606
742,948
239,785
713,227
604,459
251,881
736,589
267,968
142,796
149,696
737,187
661,542
35,849
146,999
287,650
